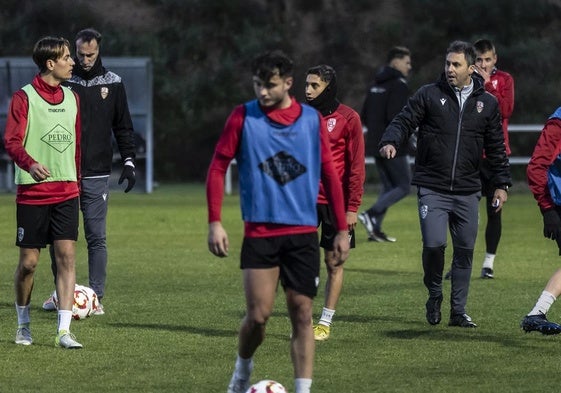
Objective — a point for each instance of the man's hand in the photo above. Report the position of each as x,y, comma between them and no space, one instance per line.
499,198
552,226
341,246
217,239
388,151
129,174
352,218
39,172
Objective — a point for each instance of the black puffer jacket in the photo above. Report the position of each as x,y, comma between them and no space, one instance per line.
451,141
385,98
103,109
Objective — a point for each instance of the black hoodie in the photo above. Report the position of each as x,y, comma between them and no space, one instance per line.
385,99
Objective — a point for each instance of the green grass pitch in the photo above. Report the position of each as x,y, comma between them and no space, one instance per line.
173,310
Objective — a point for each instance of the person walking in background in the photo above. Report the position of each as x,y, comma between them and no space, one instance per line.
347,148
104,108
386,97
456,120
546,153
282,152
42,137
501,85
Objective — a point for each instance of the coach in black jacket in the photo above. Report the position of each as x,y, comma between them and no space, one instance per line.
104,112
458,121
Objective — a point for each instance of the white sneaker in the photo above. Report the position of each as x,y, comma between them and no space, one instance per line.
49,304
100,311
65,339
23,335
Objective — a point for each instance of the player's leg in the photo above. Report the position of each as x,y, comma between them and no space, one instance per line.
32,235
64,231
23,284
259,261
260,287
463,231
536,319
434,209
94,200
334,281
300,277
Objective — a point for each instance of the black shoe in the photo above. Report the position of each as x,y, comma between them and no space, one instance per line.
487,273
379,236
448,275
461,320
433,310
539,323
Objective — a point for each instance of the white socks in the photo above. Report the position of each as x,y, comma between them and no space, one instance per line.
64,318
23,314
243,368
302,385
543,304
488,261
326,317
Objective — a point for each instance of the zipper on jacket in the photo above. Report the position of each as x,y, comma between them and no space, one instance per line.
458,133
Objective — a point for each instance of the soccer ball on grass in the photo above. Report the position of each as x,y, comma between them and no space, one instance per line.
85,302
266,386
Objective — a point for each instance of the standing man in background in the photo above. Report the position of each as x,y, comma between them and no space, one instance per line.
42,137
385,99
105,112
347,149
501,85
456,120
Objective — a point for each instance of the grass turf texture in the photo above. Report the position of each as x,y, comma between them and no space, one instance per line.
173,310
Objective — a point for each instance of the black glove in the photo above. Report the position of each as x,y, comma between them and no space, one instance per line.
130,175
552,226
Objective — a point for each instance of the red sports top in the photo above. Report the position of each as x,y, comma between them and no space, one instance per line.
547,149
225,152
43,193
501,85
347,150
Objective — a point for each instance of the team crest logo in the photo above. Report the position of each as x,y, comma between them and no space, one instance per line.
479,106
423,211
495,83
21,232
104,92
331,124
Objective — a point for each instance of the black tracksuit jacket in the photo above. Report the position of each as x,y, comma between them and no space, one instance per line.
451,142
104,111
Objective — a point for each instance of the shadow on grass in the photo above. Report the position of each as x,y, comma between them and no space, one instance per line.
382,272
206,331
517,339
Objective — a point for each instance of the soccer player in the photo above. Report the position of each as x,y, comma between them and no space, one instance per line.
104,112
501,85
282,151
347,148
385,98
43,139
546,151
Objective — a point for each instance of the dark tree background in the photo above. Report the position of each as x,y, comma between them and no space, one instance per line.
201,50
